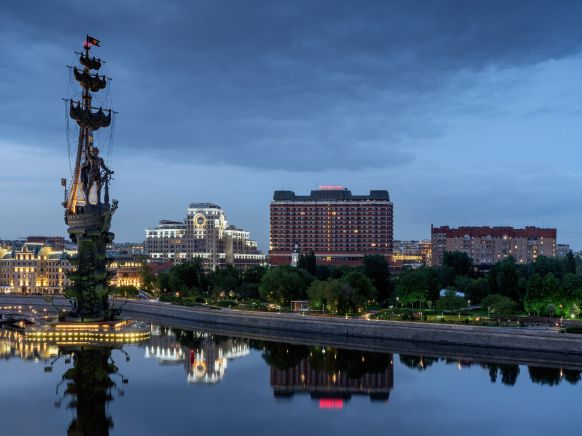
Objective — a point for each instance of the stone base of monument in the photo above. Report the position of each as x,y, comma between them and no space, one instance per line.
85,333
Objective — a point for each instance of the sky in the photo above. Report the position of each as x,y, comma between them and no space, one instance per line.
467,112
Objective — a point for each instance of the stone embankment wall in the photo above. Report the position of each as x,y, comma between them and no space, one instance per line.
497,337
282,324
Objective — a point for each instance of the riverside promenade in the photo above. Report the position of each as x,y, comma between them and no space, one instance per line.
544,347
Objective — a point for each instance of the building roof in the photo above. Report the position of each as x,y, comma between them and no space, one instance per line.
204,206
495,232
342,194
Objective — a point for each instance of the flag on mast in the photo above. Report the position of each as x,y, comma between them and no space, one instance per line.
93,41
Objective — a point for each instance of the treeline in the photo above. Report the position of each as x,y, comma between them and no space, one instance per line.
336,290
549,286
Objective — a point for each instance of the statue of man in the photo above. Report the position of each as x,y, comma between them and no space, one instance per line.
91,173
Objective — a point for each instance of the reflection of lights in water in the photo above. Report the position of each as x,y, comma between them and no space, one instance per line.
12,344
331,403
164,354
209,363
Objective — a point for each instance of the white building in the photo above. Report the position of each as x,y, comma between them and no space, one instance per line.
204,235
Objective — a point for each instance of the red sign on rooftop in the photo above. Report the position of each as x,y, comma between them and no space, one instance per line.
331,188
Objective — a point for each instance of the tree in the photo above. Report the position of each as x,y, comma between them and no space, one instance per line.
127,291
308,262
508,278
251,279
412,287
459,261
450,301
225,281
534,300
341,271
284,283
499,304
163,282
570,263
147,277
477,289
365,291
324,294
188,277
348,294
545,265
376,269
504,278
323,272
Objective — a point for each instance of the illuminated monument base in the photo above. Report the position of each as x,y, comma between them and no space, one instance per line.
112,333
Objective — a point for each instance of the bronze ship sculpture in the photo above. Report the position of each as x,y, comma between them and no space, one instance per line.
87,215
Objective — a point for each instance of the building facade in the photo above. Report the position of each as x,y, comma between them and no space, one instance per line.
127,269
411,254
41,268
204,235
489,245
339,227
33,268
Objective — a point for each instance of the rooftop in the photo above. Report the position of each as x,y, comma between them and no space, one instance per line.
335,194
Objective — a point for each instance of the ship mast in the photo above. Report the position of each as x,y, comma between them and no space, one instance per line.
87,120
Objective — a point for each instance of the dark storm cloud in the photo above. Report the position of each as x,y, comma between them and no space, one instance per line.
295,85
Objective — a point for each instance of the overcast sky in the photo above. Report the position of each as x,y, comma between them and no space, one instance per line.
468,112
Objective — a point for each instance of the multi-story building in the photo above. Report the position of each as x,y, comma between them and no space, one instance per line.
127,269
33,268
339,227
489,245
204,235
411,254
562,250
41,267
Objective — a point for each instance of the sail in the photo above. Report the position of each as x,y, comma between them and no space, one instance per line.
92,63
87,118
94,83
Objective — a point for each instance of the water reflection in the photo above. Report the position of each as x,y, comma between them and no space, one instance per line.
331,377
509,372
205,357
553,376
89,387
328,374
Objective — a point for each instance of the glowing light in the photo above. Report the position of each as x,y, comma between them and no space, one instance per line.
331,188
331,403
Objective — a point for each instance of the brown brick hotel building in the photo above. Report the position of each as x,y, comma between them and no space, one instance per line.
340,228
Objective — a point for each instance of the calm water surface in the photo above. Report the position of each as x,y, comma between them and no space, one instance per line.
183,382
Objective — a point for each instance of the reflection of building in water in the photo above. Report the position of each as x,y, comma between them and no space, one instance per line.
163,347
12,345
208,362
336,377
205,357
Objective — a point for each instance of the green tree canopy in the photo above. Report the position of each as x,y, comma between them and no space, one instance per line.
499,304
147,277
308,262
188,277
348,294
284,283
450,301
376,269
224,281
459,261
413,286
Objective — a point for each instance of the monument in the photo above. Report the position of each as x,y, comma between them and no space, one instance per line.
87,215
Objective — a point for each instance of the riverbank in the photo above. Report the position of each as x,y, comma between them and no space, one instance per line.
289,324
